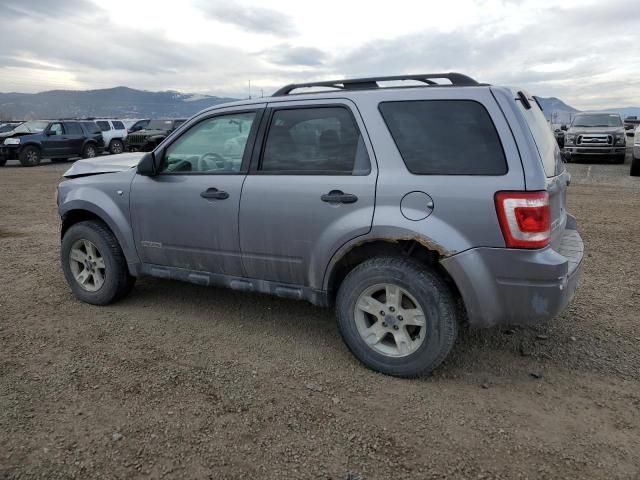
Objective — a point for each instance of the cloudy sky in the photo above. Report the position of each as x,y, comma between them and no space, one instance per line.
585,52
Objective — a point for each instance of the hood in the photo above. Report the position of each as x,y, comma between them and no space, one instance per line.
106,164
590,130
155,131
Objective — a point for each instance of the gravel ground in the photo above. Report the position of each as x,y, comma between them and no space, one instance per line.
181,381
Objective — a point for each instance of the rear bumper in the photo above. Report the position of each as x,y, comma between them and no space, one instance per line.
502,286
619,150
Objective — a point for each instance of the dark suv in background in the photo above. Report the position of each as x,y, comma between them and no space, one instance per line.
58,140
596,135
150,137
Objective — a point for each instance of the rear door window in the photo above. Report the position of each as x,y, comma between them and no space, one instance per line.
104,126
315,140
73,128
445,137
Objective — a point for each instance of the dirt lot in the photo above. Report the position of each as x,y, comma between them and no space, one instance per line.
181,381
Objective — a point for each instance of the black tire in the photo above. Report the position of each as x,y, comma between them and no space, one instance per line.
117,280
116,146
30,156
3,161
635,167
90,150
431,293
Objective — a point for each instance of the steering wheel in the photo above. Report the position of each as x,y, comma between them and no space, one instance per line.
206,161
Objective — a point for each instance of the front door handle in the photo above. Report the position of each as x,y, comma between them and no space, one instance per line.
338,196
215,194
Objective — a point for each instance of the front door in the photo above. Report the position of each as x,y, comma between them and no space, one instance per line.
187,216
311,189
56,142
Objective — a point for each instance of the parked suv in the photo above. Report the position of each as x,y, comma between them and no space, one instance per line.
58,140
150,136
114,134
596,134
362,197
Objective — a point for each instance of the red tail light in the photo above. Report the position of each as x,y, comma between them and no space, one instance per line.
525,218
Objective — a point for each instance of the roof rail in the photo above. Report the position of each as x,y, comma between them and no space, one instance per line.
456,79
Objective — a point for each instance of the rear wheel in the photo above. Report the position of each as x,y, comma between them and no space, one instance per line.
30,156
116,147
635,167
93,263
396,316
89,151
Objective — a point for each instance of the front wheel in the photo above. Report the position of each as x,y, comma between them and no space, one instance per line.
116,147
93,263
30,156
635,167
397,316
89,151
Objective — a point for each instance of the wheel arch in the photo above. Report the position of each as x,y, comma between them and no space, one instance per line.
390,243
79,210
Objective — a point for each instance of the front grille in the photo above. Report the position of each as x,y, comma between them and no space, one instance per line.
136,139
595,140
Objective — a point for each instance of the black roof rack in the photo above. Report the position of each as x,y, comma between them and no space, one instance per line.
456,79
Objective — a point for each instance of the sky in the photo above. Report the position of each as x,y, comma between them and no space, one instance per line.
585,52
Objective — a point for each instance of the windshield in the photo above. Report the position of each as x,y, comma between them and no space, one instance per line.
33,126
160,125
597,120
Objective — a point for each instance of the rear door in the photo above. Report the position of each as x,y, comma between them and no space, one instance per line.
311,188
75,137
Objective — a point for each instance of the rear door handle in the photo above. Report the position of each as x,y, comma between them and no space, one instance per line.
338,196
215,194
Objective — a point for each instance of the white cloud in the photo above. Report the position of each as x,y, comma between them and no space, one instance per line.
580,51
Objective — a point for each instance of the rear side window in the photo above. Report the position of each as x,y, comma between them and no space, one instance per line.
320,140
91,127
545,140
445,137
73,128
104,126
118,125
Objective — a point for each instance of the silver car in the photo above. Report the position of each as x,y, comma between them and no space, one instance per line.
397,200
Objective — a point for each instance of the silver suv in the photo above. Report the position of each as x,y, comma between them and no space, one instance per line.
409,203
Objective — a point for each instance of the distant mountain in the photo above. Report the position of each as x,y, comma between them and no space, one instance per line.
119,102
556,110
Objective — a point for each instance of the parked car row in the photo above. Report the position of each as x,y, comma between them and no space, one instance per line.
31,141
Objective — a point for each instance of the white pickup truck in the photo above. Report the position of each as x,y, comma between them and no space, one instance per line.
114,133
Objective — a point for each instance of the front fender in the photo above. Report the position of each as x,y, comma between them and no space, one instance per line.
107,202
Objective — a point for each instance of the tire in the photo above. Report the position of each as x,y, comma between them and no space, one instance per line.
30,156
116,280
635,167
89,151
420,286
116,146
3,161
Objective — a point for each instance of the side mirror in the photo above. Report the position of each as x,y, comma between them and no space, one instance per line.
147,165
48,133
564,127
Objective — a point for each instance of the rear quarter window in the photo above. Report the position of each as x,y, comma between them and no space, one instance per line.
104,126
118,125
445,137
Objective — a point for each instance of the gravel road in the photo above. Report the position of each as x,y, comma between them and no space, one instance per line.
181,381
